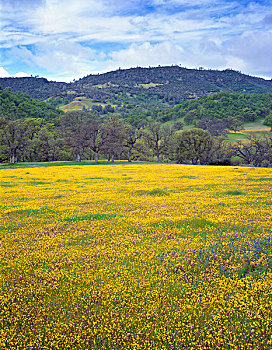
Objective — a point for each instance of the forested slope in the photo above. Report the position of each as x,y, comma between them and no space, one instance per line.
240,106
169,85
20,106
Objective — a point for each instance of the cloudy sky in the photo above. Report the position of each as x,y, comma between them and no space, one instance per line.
66,39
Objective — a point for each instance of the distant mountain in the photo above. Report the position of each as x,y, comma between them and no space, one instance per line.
168,85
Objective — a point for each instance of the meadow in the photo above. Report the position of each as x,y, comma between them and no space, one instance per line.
135,256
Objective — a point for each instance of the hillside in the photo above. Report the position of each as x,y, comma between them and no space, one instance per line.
21,106
39,88
225,112
157,85
174,83
241,106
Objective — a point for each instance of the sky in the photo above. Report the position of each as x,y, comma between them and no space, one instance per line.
64,40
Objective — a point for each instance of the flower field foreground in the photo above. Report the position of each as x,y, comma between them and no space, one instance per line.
136,257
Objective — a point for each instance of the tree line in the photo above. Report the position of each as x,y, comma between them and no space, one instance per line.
82,135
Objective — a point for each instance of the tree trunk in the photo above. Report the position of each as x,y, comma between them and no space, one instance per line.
112,158
12,157
78,158
128,155
96,157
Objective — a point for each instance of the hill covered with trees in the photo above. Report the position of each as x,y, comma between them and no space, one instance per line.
168,85
222,106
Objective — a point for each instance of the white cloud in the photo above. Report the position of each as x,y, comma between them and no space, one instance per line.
69,38
254,50
62,16
58,56
4,73
145,55
21,75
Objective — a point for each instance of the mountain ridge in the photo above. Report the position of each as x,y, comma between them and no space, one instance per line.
168,84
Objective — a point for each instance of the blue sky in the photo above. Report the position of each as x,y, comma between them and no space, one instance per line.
67,39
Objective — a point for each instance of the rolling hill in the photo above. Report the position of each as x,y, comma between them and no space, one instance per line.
168,85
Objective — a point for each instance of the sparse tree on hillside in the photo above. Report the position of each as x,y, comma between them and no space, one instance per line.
234,124
215,126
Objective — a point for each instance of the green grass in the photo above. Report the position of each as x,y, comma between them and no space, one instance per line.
29,212
91,217
66,163
236,137
78,241
36,183
156,192
195,223
256,129
186,177
7,184
260,179
258,124
234,193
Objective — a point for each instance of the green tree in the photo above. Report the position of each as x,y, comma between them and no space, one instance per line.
115,133
97,136
132,138
158,138
194,145
75,131
48,145
17,135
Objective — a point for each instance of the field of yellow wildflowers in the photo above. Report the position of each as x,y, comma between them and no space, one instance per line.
136,257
